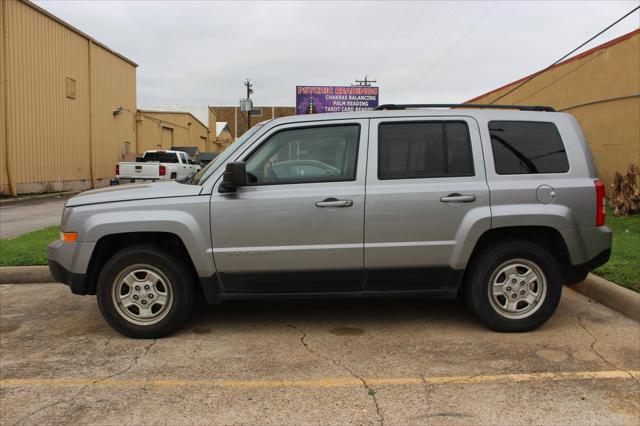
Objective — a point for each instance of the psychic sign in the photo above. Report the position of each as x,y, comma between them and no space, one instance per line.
319,99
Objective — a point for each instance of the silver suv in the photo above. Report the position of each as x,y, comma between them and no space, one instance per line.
500,205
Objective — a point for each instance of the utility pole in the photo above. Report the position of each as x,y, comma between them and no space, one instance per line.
365,82
249,92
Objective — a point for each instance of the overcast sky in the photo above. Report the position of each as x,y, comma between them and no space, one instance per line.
199,53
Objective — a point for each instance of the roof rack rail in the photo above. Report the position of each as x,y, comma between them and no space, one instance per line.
479,106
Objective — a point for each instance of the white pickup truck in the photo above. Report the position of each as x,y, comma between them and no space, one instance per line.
156,165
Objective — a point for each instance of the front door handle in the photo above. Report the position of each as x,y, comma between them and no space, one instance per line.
458,198
334,202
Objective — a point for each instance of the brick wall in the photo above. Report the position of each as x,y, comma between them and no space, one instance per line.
238,120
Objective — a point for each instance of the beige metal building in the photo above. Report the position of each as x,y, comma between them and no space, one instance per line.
166,129
59,93
601,88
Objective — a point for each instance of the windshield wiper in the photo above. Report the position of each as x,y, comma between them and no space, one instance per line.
531,167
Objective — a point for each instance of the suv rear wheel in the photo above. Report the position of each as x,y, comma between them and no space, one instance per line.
513,286
145,293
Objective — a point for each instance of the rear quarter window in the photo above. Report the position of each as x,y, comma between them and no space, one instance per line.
527,147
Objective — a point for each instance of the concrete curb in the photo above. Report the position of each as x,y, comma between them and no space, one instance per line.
613,296
17,200
25,275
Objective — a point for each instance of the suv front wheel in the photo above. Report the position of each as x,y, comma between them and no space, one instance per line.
513,286
145,293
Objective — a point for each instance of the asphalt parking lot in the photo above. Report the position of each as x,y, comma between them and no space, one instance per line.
354,362
30,215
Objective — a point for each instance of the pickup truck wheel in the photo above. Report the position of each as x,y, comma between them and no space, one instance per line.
145,293
513,286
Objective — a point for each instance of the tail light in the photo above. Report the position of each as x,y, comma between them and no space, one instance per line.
600,203
163,170
118,169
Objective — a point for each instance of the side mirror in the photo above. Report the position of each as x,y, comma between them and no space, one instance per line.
235,176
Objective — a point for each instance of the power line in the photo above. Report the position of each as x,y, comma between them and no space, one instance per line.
426,7
595,56
393,39
450,51
534,75
444,24
384,58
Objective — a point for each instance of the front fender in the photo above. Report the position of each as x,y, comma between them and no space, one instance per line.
187,218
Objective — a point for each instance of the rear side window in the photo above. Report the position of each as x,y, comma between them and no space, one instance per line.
424,150
527,147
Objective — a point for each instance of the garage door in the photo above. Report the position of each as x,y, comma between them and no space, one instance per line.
167,138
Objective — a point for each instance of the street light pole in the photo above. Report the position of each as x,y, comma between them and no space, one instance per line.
249,92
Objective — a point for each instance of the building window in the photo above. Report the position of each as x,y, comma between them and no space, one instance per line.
527,147
427,149
70,87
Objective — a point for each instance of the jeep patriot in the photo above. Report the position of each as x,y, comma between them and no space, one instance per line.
500,205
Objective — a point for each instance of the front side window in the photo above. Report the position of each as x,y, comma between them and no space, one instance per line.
424,150
305,155
527,147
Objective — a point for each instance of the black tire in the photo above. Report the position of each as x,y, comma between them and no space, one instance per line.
480,276
179,284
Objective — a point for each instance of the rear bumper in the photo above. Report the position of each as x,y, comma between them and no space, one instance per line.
123,180
578,273
586,244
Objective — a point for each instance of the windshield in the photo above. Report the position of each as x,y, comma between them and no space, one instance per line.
160,156
204,174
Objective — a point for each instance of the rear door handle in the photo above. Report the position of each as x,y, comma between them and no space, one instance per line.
334,202
458,198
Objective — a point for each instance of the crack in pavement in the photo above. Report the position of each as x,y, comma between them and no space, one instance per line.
22,419
428,388
594,341
370,390
133,362
71,400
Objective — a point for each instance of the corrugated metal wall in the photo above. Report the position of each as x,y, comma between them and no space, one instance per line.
602,90
150,124
50,103
4,178
113,86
